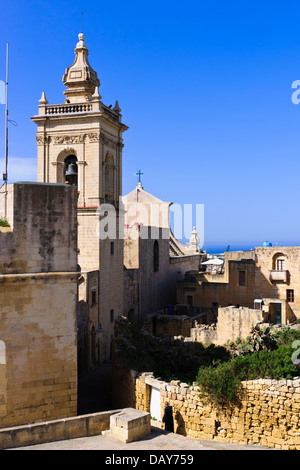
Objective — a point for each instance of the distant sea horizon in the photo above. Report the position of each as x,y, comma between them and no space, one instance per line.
221,248
214,249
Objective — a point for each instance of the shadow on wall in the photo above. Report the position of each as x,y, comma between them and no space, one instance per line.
179,424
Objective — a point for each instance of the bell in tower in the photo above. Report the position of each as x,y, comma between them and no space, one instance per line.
70,170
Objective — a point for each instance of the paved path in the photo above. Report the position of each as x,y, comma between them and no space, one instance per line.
158,440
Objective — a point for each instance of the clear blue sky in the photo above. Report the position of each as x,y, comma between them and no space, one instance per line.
205,88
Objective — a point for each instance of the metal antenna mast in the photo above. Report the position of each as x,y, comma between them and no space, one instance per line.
6,131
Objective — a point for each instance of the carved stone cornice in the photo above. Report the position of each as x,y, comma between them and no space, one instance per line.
113,144
43,139
93,136
68,139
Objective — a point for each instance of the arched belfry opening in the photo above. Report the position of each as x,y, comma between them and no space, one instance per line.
70,170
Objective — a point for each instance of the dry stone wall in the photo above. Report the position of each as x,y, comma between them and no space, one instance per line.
169,325
267,413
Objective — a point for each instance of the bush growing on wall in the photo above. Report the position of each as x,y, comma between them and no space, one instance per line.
218,370
221,383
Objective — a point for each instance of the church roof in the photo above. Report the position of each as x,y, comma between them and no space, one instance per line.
142,197
139,195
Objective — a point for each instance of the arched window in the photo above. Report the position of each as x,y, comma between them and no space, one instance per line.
109,177
279,262
155,256
70,170
93,346
130,315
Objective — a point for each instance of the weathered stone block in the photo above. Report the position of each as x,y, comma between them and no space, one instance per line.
130,424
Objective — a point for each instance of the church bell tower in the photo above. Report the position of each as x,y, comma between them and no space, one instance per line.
80,142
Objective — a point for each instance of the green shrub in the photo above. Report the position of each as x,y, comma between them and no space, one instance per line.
4,222
286,336
218,384
221,383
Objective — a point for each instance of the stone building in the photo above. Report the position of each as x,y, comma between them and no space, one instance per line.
153,258
38,301
266,279
79,142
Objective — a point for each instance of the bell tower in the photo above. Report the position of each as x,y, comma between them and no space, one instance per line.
80,142
81,137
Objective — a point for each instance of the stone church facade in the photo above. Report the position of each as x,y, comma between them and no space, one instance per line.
80,143
153,258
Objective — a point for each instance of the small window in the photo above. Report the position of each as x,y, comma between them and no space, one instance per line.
112,315
242,278
155,256
190,300
290,295
280,265
94,297
112,248
258,303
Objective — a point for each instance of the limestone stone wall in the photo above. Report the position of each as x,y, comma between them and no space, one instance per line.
148,290
38,296
131,294
110,292
88,239
222,290
106,257
267,414
56,430
87,321
236,323
266,258
131,247
205,334
170,325
179,265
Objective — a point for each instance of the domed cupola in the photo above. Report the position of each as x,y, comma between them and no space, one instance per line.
80,79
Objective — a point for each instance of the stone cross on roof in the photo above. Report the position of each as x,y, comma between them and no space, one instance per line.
139,174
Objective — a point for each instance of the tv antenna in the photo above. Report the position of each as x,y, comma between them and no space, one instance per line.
5,174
